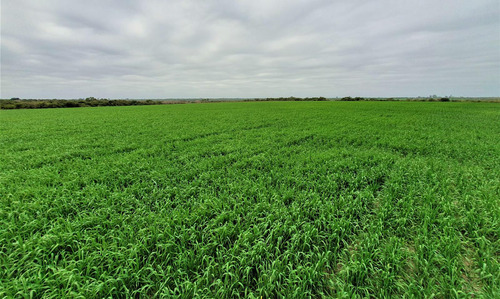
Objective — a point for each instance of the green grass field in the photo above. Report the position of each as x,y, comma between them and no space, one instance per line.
225,200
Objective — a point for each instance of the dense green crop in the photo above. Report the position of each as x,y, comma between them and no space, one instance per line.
322,199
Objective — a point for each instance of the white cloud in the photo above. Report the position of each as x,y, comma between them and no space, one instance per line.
163,49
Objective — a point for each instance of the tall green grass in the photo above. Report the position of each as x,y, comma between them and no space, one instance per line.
227,200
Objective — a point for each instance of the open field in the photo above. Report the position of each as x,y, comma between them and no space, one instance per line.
224,200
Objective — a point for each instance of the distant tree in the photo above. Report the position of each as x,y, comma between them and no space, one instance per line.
352,99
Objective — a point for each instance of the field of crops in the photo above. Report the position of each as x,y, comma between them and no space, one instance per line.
271,199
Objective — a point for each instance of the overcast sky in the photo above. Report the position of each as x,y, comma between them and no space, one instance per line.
201,49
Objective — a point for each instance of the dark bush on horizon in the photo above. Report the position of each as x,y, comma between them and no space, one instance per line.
288,99
16,103
352,99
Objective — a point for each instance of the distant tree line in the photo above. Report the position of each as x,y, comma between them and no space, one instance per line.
16,103
352,99
288,99
430,99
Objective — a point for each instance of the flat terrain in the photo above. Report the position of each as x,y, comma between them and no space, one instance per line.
224,200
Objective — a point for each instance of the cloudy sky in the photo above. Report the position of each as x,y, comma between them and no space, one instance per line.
249,48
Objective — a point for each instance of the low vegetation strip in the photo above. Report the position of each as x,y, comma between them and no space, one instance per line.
251,199
16,103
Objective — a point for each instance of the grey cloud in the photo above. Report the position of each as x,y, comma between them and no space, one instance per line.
162,49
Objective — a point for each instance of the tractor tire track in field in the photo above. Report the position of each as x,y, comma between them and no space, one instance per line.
216,133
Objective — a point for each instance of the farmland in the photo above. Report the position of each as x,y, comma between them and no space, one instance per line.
271,199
